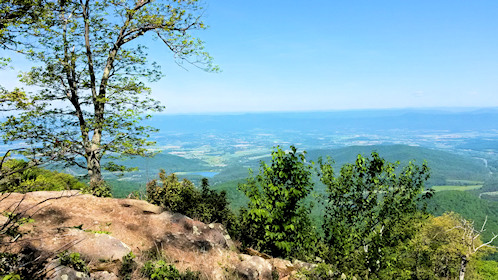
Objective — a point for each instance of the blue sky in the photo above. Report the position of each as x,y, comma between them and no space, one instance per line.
336,55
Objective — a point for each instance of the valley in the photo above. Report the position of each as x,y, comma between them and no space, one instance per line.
224,147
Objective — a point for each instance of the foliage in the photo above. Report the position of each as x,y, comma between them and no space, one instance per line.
215,207
128,265
22,265
99,189
12,276
276,220
182,197
371,209
90,69
487,269
322,271
15,220
160,270
35,179
469,206
73,260
443,245
15,13
172,195
445,167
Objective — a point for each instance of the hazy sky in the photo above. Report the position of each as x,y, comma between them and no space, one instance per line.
330,55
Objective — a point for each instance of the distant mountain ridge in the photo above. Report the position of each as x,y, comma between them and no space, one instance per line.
411,119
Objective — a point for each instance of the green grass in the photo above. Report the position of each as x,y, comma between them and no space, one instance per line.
464,182
456,188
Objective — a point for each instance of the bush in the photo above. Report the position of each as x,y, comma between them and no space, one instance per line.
160,270
487,269
445,246
128,265
183,197
73,260
100,189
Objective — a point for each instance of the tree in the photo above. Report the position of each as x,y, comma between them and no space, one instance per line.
276,220
447,246
371,209
91,71
16,13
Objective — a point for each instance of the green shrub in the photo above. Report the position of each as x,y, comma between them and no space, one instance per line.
73,260
160,270
183,197
100,189
128,265
12,277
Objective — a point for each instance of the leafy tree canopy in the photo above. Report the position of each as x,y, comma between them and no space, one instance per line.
14,13
371,208
91,71
448,247
276,220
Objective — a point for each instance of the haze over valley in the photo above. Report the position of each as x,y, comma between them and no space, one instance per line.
223,147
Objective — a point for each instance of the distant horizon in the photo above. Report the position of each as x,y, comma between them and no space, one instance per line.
456,109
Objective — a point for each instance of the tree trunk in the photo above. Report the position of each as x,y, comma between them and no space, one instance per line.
93,166
463,266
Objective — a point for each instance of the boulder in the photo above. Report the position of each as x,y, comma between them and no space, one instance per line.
104,275
98,246
67,273
254,268
103,230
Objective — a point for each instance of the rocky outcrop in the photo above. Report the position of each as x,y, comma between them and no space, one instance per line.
103,230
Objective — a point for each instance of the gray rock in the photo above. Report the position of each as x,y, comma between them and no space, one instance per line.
254,268
67,273
104,275
97,246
